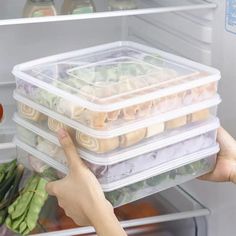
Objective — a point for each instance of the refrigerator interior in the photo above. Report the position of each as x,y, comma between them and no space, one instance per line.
201,35
184,216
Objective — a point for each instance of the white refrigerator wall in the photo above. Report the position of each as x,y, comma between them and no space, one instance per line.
220,198
202,36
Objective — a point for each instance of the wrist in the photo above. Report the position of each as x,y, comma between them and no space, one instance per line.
105,222
102,212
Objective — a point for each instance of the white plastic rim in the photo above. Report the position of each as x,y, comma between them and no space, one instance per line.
185,160
119,156
18,71
105,134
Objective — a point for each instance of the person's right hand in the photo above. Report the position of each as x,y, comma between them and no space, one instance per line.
225,169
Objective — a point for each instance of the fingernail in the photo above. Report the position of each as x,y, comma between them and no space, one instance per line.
62,133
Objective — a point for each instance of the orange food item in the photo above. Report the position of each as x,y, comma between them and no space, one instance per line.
113,115
64,221
136,210
200,115
96,120
130,113
176,123
132,138
1,112
145,109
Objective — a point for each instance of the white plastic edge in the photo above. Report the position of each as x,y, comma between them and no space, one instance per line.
124,128
160,169
129,180
18,72
137,150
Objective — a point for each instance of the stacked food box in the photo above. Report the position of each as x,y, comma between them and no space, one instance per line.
142,119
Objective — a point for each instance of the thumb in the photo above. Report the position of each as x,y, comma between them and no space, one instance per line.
51,188
68,146
227,143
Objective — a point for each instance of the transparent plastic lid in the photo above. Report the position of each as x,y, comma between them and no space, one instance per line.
111,76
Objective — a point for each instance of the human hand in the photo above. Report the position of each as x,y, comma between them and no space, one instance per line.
225,169
81,196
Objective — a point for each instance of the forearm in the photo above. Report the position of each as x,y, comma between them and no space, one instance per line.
106,223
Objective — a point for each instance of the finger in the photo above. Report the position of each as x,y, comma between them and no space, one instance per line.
208,177
51,188
226,141
68,146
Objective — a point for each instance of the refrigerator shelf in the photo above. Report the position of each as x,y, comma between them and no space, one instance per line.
174,205
12,11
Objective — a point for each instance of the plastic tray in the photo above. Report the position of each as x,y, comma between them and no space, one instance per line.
33,133
162,181
107,86
134,187
158,153
121,137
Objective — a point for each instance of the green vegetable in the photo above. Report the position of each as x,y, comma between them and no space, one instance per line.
3,215
3,167
24,212
25,199
11,169
49,174
23,227
156,180
19,220
6,185
6,170
12,192
115,197
36,204
173,174
11,208
135,186
15,188
2,176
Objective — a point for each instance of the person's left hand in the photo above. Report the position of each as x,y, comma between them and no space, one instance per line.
81,195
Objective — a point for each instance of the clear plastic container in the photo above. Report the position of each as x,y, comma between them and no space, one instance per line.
136,186
7,147
162,181
104,143
122,165
113,85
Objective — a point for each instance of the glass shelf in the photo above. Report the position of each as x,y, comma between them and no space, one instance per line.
170,205
11,11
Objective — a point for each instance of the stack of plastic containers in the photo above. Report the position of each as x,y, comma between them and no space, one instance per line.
143,120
